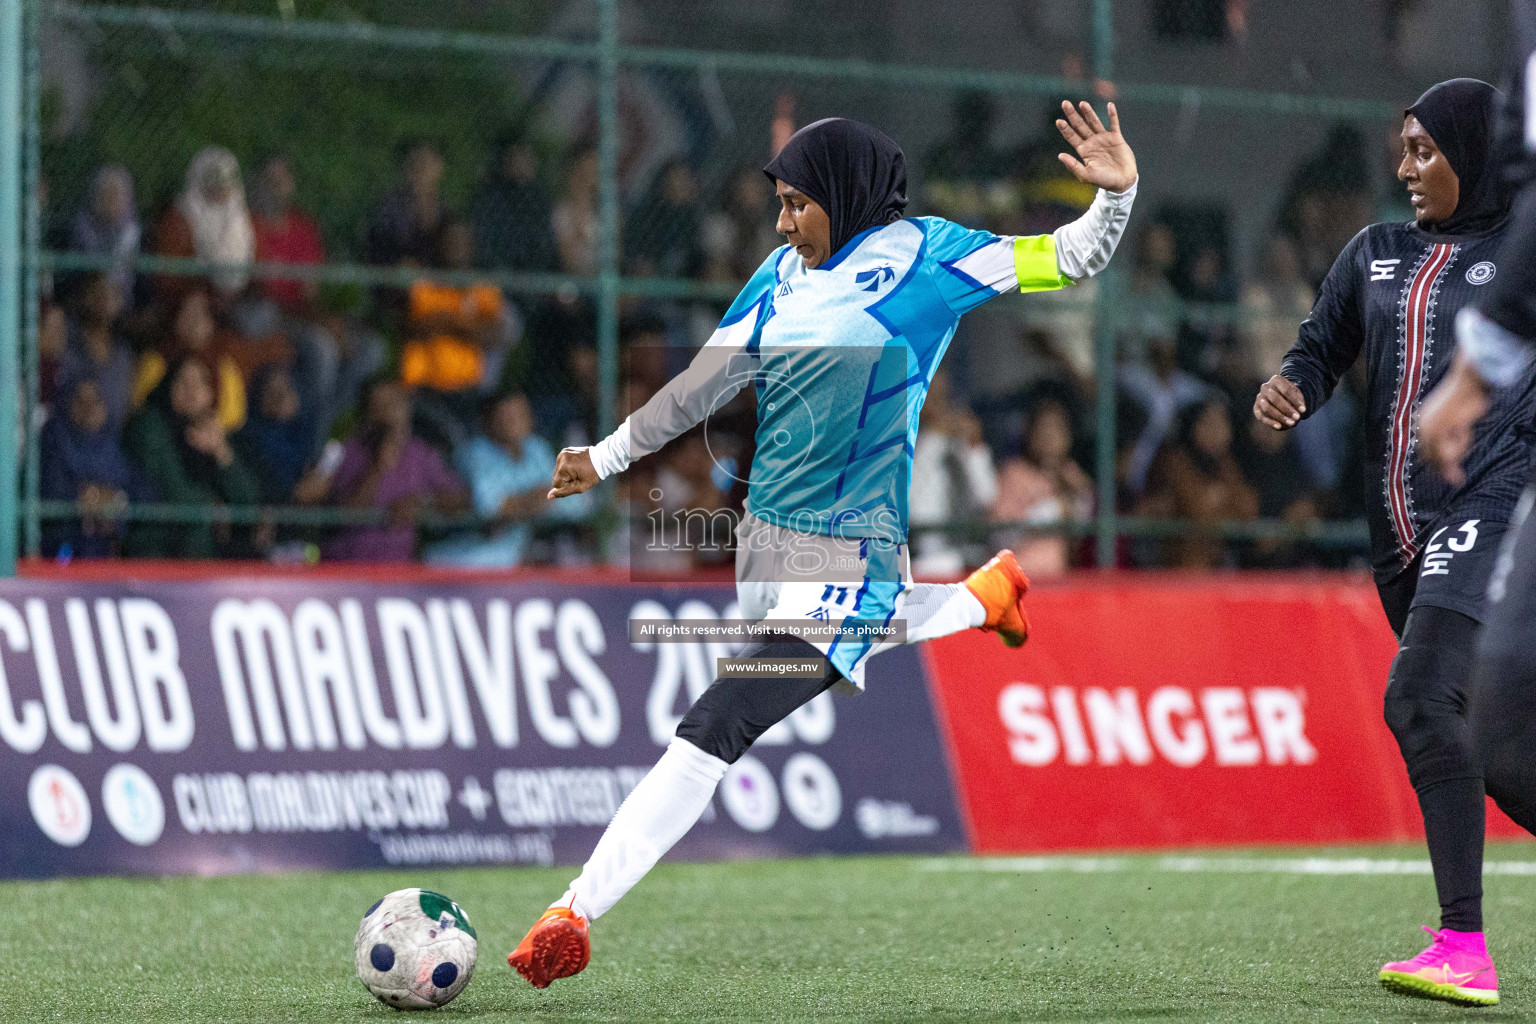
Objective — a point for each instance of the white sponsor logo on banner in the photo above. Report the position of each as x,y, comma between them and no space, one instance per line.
312,801
59,805
749,795
880,818
542,797
812,792
311,682
138,649
133,805
1227,724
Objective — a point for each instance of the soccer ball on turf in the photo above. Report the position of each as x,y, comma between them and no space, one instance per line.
415,949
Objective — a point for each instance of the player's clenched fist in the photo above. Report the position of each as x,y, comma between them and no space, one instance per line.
1279,404
574,473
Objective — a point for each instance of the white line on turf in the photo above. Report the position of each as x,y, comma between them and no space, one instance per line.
1214,865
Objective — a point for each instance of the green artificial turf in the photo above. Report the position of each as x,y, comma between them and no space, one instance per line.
873,939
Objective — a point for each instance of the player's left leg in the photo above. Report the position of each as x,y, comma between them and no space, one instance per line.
1426,707
990,599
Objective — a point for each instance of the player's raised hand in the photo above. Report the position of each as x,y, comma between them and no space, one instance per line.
1103,156
574,473
1280,404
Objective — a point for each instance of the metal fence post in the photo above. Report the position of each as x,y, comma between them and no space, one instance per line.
1104,329
10,272
1104,40
608,213
1104,307
31,245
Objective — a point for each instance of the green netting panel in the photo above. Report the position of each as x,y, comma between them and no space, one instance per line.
337,89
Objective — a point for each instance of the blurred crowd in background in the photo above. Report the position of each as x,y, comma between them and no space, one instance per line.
441,405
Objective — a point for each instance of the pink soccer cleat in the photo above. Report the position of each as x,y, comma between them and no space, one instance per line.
1456,967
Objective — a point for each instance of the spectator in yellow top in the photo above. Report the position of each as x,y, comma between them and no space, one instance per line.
193,332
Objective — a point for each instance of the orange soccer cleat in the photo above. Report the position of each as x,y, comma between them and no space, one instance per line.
1000,586
555,947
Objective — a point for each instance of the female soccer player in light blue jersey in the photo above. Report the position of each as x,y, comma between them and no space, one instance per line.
839,332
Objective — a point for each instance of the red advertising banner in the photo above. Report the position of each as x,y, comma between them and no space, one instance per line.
1164,711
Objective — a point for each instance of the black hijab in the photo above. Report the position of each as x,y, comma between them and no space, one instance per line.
852,171
1459,115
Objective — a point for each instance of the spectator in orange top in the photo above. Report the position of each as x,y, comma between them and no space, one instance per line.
284,234
459,336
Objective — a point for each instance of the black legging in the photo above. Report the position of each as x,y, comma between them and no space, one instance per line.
735,710
1427,709
1504,682
1504,730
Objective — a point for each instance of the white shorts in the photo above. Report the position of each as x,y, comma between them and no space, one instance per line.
785,574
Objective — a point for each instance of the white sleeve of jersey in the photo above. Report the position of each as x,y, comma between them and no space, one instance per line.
991,265
611,454
1500,358
1530,102
1083,247
714,377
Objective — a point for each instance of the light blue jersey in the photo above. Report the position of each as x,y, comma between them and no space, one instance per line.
842,357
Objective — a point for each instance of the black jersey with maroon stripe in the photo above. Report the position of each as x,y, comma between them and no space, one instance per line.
1392,296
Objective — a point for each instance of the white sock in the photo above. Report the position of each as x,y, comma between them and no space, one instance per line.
938,609
656,814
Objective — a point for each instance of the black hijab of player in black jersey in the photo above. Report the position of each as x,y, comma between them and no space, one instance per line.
856,173
1459,115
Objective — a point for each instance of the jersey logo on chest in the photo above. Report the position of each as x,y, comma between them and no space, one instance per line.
1481,273
880,275
1384,270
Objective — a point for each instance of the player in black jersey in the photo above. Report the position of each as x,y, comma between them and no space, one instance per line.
1392,297
1497,347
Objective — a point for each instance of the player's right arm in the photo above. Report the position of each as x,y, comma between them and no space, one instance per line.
708,383
1327,344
